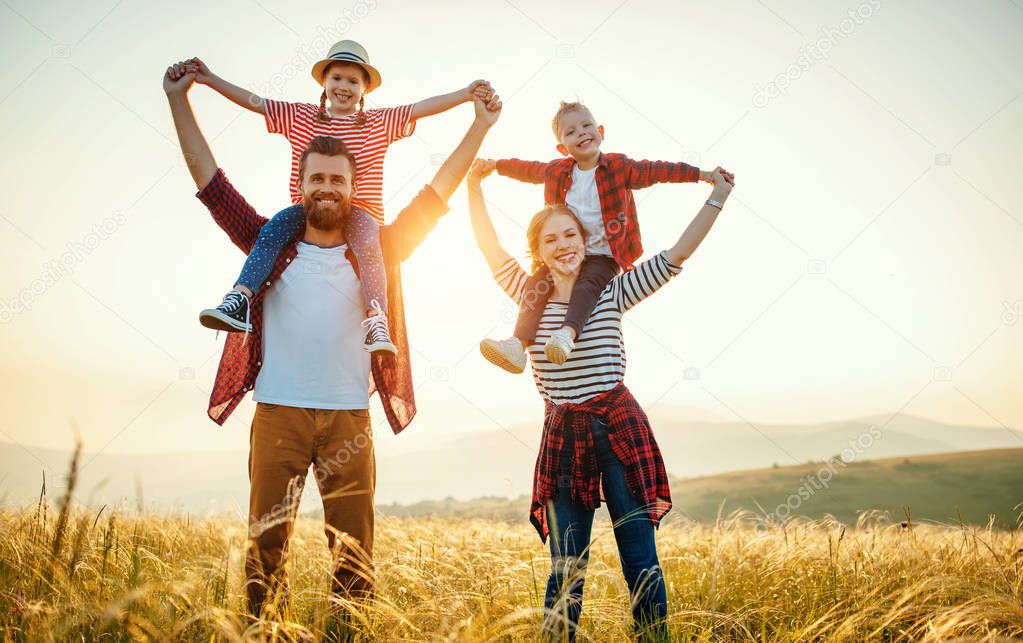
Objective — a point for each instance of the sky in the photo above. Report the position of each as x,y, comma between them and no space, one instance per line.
868,261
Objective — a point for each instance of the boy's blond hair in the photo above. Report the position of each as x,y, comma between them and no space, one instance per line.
565,108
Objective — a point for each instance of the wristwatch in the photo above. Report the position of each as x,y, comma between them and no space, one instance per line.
715,203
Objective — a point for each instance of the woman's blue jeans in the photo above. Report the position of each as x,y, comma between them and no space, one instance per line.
570,538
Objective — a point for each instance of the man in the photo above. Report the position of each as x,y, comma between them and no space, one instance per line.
310,374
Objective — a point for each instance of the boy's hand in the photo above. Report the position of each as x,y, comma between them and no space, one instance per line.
489,111
203,75
479,89
177,79
481,168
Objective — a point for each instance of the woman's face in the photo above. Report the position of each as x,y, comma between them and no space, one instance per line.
345,83
561,244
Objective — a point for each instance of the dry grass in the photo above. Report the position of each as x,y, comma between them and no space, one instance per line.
71,573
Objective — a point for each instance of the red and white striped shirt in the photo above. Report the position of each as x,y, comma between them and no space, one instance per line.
368,142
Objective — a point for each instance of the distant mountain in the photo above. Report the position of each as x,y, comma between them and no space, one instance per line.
419,465
969,486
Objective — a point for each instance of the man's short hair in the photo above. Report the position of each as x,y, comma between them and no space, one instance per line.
327,146
565,108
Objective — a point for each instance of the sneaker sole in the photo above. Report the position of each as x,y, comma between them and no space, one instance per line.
381,347
216,320
497,358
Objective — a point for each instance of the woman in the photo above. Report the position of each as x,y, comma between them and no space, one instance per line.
593,428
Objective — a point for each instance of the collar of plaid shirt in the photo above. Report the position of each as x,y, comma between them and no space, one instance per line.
567,438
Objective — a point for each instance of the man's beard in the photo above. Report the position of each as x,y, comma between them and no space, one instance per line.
324,217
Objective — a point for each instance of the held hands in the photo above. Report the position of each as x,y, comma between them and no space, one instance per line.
177,79
487,112
480,89
203,75
480,169
723,182
707,176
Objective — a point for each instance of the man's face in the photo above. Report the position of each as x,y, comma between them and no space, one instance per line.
327,191
579,134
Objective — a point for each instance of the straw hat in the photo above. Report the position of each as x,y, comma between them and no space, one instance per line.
348,51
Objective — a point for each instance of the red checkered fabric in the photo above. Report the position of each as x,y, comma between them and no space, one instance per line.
632,441
617,176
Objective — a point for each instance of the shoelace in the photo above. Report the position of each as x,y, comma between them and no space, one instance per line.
230,304
376,324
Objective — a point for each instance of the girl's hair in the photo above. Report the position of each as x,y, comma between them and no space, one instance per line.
536,226
360,116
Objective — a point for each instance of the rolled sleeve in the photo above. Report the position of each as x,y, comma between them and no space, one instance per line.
231,211
412,224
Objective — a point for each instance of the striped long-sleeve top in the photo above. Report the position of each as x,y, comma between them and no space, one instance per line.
597,363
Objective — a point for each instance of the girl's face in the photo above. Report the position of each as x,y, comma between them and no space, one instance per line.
345,83
562,247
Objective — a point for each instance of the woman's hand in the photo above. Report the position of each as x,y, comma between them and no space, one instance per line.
723,181
481,168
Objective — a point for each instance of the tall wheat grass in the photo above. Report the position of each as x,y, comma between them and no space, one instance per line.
72,573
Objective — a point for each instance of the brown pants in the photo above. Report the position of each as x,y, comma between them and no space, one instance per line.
283,442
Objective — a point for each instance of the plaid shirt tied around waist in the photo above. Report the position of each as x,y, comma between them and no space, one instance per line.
567,441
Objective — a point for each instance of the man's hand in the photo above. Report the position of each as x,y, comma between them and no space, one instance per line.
478,89
177,79
488,112
480,169
203,75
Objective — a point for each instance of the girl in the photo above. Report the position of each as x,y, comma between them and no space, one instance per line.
596,438
346,75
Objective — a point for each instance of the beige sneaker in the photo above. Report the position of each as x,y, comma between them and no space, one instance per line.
559,346
506,353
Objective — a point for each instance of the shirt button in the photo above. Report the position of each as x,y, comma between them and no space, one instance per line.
268,283
287,260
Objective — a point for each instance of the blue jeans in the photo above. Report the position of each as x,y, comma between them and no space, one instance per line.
570,539
361,232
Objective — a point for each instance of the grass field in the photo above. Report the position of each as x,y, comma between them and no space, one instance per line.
72,574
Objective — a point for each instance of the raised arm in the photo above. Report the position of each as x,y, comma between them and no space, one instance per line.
237,95
482,226
412,224
525,171
230,210
436,104
455,167
698,228
643,174
198,157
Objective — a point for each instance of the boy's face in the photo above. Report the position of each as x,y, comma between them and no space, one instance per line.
579,135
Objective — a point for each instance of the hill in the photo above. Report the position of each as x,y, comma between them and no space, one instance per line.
970,486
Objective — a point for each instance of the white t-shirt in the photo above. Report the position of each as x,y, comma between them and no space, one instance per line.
582,197
313,355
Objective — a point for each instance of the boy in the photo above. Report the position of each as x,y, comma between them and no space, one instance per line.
598,188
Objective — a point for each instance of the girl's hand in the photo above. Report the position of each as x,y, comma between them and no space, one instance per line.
480,89
481,168
203,75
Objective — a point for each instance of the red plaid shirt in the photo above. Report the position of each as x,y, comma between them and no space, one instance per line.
617,176
241,360
633,444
